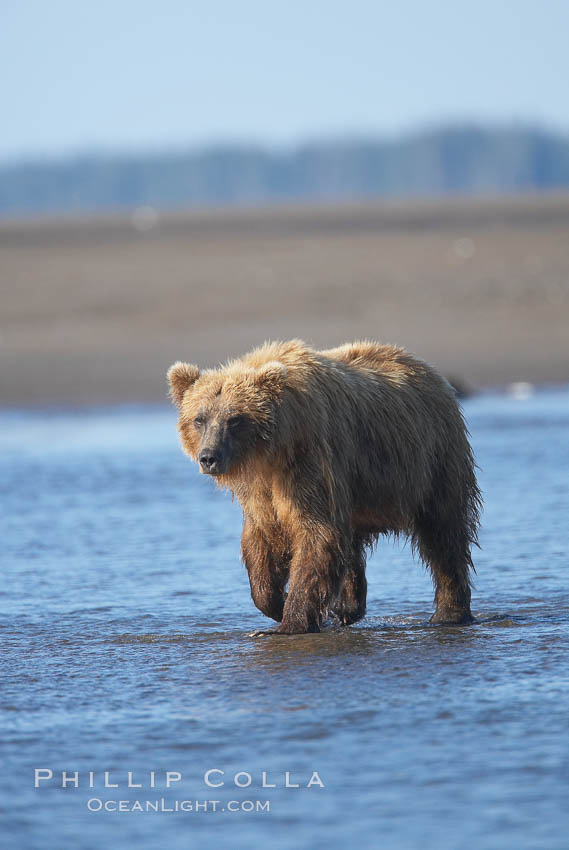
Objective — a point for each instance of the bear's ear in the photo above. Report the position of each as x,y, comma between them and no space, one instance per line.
181,376
271,377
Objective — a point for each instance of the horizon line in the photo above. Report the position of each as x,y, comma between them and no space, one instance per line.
98,151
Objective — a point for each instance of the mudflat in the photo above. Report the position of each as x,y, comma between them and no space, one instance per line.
93,310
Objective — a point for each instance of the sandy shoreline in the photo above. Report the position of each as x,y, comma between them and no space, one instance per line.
94,310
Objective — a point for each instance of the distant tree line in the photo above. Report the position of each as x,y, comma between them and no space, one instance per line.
455,159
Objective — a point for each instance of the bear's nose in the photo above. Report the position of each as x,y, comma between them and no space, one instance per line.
209,460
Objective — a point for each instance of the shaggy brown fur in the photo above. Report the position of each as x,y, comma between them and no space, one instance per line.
327,450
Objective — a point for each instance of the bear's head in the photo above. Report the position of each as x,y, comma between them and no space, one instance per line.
226,416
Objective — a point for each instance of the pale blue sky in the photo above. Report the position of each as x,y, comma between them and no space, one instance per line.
124,74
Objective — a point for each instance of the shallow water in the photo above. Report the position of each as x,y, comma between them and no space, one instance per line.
125,615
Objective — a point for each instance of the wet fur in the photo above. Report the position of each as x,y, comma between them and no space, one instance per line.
336,448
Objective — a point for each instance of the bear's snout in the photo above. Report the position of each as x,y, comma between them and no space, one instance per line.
210,462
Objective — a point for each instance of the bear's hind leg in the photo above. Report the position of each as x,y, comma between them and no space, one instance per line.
351,604
446,550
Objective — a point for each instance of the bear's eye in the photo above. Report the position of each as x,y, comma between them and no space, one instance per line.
199,421
235,421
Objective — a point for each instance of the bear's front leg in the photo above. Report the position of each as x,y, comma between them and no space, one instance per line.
268,572
314,582
351,604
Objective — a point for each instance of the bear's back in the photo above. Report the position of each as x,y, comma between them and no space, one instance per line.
391,361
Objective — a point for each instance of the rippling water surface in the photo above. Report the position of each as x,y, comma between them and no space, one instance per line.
125,614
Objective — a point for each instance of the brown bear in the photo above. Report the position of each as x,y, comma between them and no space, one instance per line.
327,450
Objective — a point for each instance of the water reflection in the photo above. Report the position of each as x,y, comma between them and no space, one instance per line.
125,619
